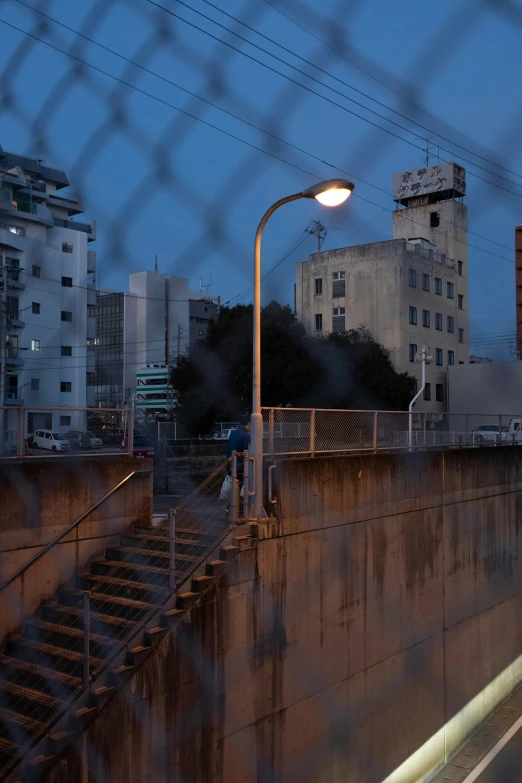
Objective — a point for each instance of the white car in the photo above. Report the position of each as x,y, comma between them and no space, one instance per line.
222,434
489,433
52,441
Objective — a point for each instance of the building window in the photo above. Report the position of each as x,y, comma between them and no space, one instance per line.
439,358
426,318
339,284
91,311
449,288
427,392
318,286
338,319
413,316
65,421
461,335
12,308
438,322
451,324
413,352
201,331
460,300
438,286
35,384
65,386
451,358
460,267
91,343
36,270
425,282
35,345
412,278
434,219
91,379
67,282
67,247
66,350
66,315
17,230
439,392
35,308
318,322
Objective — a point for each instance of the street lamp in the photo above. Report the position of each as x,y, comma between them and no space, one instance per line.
330,193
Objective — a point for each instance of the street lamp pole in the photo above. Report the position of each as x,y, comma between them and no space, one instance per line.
329,193
425,358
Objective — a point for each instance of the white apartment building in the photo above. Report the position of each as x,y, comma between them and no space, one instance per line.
140,333
50,298
409,290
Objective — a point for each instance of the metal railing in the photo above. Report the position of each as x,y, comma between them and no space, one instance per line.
319,431
28,432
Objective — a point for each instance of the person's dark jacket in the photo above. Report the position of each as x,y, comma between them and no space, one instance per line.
238,440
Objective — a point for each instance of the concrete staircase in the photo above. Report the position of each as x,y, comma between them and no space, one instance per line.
43,703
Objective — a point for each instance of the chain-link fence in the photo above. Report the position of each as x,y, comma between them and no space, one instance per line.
313,431
69,432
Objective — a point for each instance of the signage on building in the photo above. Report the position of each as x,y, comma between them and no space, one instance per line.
429,179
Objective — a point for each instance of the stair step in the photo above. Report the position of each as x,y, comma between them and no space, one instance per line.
151,557
81,717
244,542
200,583
228,552
49,655
18,728
101,694
184,600
214,567
39,677
8,752
144,573
111,585
36,766
70,638
139,653
106,624
121,674
60,740
113,605
155,635
170,618
32,703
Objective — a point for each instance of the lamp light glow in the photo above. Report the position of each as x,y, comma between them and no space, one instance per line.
331,192
333,197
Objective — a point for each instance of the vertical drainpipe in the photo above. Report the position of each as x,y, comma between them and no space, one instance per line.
167,352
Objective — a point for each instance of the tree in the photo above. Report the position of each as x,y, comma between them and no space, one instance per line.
214,382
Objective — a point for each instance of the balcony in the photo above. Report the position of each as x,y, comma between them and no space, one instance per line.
13,359
69,201
12,398
91,261
73,225
10,239
13,279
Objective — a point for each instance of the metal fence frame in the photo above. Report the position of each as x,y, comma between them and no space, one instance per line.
302,431
19,449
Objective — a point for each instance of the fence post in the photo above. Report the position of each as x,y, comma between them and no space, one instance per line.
271,431
234,492
312,432
375,415
247,500
20,449
466,425
499,437
130,430
86,639
424,417
172,551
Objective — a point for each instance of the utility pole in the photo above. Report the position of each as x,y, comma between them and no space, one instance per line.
3,346
156,263
179,339
319,231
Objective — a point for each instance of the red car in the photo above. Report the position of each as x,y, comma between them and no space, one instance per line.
141,447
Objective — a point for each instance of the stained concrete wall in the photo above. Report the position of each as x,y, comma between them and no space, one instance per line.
38,501
385,597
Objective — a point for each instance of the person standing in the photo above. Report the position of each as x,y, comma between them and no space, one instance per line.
239,440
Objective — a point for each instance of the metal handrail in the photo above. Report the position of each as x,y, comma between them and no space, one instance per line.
68,529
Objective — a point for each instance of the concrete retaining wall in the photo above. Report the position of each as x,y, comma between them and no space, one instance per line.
374,611
38,500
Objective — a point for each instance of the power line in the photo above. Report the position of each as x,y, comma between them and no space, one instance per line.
249,144
387,86
323,97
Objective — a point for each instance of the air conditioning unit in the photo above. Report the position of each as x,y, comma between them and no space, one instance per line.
11,395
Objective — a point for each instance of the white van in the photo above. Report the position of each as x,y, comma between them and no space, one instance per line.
52,441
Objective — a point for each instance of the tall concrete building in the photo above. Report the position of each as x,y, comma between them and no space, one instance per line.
408,290
518,287
140,333
50,294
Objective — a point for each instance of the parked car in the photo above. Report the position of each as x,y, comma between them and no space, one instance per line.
52,441
489,433
141,446
83,440
222,434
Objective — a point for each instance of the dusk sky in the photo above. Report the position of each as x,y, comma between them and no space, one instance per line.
160,181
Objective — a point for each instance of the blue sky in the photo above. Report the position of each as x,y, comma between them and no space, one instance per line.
195,199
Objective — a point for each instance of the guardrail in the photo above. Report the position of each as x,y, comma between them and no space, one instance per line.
314,431
38,432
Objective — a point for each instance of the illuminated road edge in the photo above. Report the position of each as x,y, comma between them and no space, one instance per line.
439,749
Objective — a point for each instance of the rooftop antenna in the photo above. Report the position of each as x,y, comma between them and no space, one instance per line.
319,231
429,150
156,262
